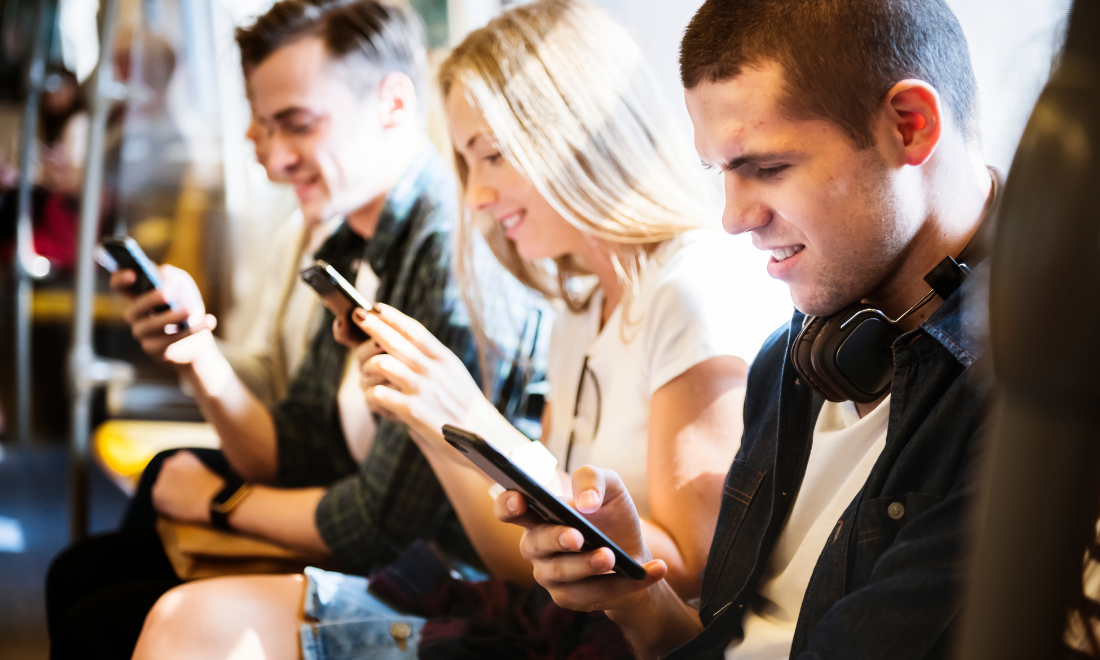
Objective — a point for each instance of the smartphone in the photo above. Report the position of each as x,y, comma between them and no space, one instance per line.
552,509
337,294
125,254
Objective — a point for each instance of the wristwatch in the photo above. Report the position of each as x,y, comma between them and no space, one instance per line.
226,500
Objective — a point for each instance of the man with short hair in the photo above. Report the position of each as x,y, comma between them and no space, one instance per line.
338,90
846,133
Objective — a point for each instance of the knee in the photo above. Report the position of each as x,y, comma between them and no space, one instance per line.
210,618
175,619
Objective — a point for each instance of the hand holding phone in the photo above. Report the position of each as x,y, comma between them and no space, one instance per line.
337,294
115,254
549,507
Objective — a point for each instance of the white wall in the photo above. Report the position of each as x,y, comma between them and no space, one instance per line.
1011,44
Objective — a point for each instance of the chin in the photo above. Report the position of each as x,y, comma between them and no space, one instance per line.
818,303
529,252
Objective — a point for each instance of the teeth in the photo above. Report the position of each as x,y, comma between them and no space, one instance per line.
779,254
512,220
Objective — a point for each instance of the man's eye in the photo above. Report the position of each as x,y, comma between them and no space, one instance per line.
301,128
769,172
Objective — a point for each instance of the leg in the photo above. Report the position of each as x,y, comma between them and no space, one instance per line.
233,618
106,625
102,563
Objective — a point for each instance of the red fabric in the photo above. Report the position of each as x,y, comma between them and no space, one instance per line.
55,233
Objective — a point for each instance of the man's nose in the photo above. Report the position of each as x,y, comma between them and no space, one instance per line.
744,211
279,155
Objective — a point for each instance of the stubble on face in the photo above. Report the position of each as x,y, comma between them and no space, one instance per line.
860,250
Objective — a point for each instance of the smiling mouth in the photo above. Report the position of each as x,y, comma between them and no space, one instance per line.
784,253
512,220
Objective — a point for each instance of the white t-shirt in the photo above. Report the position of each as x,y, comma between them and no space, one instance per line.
704,294
288,314
844,450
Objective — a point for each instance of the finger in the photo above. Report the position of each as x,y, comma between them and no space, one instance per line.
388,402
343,336
122,280
549,540
589,488
590,593
396,372
160,345
573,566
511,507
155,326
396,344
366,383
143,305
412,330
366,351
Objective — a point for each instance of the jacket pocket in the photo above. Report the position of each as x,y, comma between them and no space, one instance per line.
877,525
742,483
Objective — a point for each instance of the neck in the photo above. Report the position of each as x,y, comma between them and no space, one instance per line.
597,257
364,220
955,199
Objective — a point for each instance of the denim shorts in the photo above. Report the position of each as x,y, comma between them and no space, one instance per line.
347,622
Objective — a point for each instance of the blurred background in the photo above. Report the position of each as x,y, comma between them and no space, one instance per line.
182,180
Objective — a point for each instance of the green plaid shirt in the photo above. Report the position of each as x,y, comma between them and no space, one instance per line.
373,510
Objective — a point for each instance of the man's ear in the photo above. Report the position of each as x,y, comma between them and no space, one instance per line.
913,118
397,102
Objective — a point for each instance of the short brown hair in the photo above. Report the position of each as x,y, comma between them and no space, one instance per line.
372,38
839,57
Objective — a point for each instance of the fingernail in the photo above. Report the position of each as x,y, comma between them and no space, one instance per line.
566,539
588,500
359,315
598,562
513,504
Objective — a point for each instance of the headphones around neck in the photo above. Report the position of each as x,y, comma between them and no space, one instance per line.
849,356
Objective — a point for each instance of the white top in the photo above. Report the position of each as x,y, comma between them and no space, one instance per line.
844,450
281,291
704,294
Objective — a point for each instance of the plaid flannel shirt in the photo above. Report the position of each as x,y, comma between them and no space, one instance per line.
373,510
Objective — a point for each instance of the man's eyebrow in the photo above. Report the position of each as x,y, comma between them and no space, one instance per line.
287,113
754,159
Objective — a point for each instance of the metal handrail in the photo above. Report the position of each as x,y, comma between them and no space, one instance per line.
86,370
28,265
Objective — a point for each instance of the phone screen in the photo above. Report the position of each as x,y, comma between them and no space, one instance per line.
502,470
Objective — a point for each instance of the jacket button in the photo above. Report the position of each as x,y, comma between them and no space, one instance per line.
896,510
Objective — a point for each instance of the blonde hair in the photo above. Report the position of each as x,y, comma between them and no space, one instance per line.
572,105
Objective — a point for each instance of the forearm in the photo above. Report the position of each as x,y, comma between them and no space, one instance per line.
496,543
284,516
657,622
244,425
683,579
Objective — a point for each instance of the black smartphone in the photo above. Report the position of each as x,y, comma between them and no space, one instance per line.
125,254
552,509
337,294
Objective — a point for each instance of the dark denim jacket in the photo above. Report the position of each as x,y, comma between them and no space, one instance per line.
884,586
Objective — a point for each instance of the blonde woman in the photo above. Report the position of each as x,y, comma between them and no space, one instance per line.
580,183
576,178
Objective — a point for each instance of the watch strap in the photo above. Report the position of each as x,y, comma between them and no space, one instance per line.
226,500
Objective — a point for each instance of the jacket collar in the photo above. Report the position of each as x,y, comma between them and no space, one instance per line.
960,322
417,182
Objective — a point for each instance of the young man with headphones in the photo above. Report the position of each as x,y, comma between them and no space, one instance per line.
846,135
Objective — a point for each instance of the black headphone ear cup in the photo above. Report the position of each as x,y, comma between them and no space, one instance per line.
802,357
